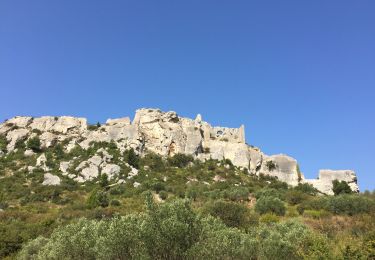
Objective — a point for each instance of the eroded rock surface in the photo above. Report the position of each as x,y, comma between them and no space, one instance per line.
164,133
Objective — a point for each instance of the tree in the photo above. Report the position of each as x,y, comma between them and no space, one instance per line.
34,144
231,213
270,204
98,198
341,187
103,180
180,160
131,158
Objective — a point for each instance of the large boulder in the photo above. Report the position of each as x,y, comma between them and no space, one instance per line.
51,180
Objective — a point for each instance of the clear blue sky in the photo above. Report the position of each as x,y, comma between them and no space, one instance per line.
299,74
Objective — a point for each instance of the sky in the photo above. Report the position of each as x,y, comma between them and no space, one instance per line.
300,75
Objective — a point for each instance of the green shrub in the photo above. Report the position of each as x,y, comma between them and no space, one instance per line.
316,214
158,186
270,205
115,203
306,188
131,158
180,160
34,144
294,197
341,187
232,214
163,195
350,204
3,143
269,218
98,198
269,192
153,161
103,182
237,194
271,166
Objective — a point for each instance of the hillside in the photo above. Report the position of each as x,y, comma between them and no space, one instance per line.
167,187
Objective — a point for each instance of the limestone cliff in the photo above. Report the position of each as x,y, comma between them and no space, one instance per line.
166,134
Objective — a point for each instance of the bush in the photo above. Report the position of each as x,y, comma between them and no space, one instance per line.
103,182
98,198
271,166
3,143
350,204
306,188
341,187
34,144
269,192
294,197
232,214
154,161
270,205
131,158
269,218
180,160
163,195
115,203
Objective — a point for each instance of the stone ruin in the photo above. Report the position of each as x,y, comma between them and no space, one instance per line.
166,134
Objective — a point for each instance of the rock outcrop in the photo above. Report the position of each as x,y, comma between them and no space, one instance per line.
163,133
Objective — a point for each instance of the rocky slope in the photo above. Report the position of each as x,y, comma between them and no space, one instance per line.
163,133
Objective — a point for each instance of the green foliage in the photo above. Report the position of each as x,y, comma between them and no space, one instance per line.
346,204
131,158
34,144
270,204
103,182
271,166
153,161
175,231
3,143
98,198
269,192
232,214
306,188
115,203
163,195
180,160
341,187
294,197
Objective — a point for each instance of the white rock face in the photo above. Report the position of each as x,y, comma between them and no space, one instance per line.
64,166
28,153
285,168
89,173
112,170
14,136
166,134
50,179
20,121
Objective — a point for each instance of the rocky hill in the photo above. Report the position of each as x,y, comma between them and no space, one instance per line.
151,131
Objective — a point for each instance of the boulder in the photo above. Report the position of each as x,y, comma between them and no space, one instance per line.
89,173
112,170
50,179
64,166
28,153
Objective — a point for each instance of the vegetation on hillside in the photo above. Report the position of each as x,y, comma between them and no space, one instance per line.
182,209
